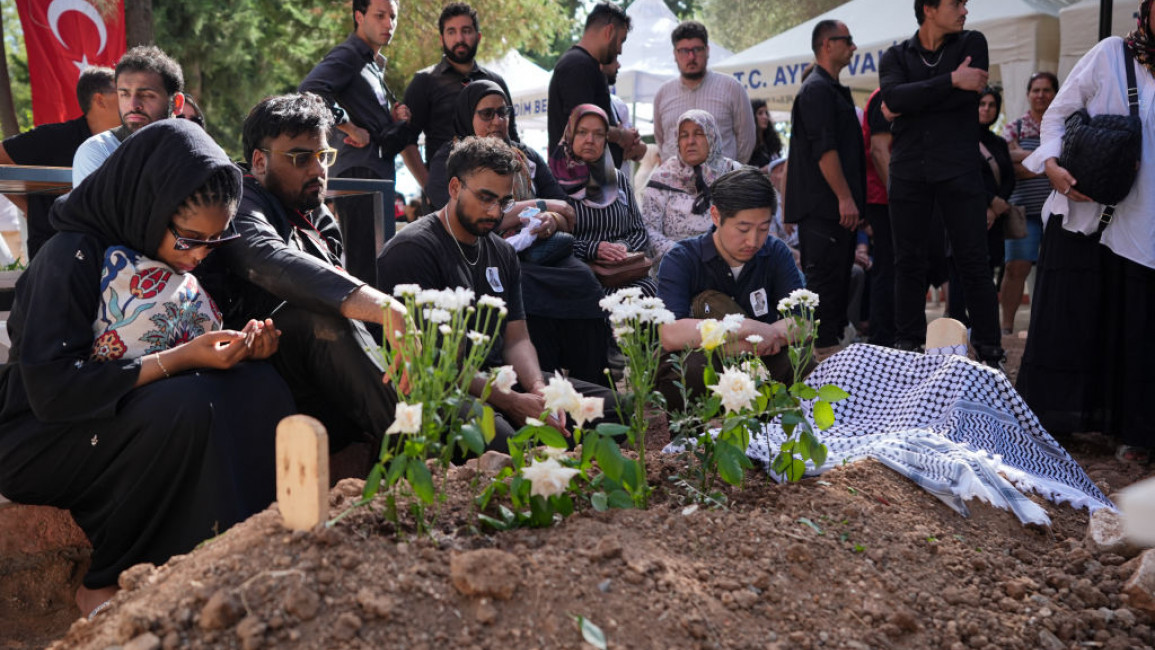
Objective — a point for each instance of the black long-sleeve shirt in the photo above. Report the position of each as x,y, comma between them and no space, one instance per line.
578,79
351,79
935,133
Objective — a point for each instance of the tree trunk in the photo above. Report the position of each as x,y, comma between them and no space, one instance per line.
7,108
138,22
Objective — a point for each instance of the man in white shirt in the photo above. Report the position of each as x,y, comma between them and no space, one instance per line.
718,94
149,87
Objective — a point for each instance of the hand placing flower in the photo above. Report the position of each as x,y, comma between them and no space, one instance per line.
736,389
406,419
548,478
560,395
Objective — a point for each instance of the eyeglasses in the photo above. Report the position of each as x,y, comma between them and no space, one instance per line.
849,39
487,114
503,204
697,50
301,159
188,243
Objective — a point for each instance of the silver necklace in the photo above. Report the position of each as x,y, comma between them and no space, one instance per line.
936,61
445,216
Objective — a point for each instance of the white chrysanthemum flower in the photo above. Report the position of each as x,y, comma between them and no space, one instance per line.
437,315
505,378
491,301
736,389
754,339
560,395
445,330
622,331
461,299
786,305
756,369
477,338
403,290
592,408
406,419
629,294
732,322
713,333
554,453
427,297
547,477
651,302
610,302
805,298
659,316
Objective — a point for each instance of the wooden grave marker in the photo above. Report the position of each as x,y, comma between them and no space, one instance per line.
302,472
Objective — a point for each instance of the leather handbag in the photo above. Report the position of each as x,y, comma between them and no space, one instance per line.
632,268
1015,222
1102,152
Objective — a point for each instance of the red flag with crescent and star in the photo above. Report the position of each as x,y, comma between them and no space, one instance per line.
64,37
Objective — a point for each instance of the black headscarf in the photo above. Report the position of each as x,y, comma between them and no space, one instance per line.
131,198
467,101
1141,41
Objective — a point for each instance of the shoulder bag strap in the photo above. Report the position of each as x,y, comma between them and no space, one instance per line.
1133,106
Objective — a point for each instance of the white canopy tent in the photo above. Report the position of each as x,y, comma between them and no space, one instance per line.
1079,29
1023,36
528,84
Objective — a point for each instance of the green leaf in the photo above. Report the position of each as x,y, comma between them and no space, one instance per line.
488,425
471,438
551,438
818,454
599,501
493,523
709,377
791,418
396,468
802,391
621,499
832,393
823,415
541,515
781,463
730,463
589,448
612,429
373,482
420,479
794,470
591,633
609,456
788,447
562,504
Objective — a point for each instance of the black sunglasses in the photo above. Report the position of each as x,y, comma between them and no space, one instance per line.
183,243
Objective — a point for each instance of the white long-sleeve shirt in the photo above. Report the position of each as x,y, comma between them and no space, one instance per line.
1099,83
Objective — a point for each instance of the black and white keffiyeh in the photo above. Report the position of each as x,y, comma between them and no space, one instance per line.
955,427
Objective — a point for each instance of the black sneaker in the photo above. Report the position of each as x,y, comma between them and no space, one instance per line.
992,356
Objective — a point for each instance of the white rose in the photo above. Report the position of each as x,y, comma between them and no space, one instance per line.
736,389
406,419
592,408
754,339
560,395
547,477
505,379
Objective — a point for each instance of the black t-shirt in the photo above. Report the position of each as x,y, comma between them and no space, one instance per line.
49,145
425,254
578,79
823,119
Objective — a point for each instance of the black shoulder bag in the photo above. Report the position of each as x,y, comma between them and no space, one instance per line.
1102,152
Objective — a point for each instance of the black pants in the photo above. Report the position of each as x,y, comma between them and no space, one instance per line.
956,299
694,370
827,254
881,276
324,360
962,204
358,229
506,428
577,345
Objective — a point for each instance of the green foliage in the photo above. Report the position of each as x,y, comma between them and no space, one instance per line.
739,24
17,63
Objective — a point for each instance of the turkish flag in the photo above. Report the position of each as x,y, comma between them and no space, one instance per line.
64,37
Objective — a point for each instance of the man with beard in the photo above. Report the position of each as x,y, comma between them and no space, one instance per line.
456,247
286,266
351,79
578,79
718,94
432,93
149,88
932,82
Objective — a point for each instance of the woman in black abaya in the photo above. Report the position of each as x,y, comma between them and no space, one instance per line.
123,401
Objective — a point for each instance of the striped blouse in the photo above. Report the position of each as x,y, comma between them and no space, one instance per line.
618,222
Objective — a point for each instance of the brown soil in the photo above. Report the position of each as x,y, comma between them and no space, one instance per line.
891,567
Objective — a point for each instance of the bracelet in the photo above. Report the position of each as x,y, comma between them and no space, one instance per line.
161,365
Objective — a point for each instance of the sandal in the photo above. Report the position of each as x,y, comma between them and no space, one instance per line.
1133,454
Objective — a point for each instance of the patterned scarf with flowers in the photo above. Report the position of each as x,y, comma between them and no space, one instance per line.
146,307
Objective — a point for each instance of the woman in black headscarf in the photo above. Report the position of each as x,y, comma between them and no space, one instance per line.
123,402
560,293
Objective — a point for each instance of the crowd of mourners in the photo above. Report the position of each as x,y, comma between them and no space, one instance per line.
177,305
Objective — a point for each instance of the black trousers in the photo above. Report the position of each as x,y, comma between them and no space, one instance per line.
668,376
332,377
881,276
956,299
357,228
962,204
827,254
506,428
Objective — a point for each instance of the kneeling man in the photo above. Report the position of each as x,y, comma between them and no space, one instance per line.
737,267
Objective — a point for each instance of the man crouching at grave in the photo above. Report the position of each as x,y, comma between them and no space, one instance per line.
456,247
736,268
287,265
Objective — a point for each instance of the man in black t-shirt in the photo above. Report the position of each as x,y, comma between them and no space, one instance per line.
54,145
826,180
578,78
456,247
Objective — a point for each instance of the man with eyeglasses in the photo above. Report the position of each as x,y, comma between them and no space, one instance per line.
826,179
432,93
696,87
351,79
287,265
456,247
